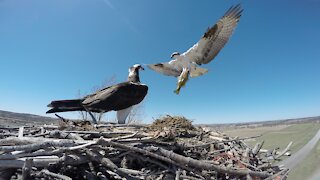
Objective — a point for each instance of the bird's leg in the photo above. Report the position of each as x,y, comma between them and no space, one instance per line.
100,116
92,116
182,79
177,91
60,117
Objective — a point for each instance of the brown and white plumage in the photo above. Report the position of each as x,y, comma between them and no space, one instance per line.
205,50
119,97
215,38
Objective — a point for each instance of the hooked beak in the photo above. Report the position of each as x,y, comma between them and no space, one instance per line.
141,68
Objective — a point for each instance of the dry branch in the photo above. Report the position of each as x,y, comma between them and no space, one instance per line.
54,175
35,146
26,169
19,163
257,148
35,140
206,166
284,151
44,152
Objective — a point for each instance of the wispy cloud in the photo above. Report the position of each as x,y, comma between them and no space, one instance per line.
121,16
108,3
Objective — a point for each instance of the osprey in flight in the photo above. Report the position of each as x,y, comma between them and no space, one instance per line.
202,52
120,97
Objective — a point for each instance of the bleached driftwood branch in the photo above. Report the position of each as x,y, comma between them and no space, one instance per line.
284,151
46,173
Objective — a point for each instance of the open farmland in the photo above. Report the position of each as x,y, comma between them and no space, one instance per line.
253,131
279,136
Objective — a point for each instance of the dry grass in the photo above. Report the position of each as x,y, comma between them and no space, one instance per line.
178,122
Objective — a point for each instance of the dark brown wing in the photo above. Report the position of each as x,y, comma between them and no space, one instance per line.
116,97
215,38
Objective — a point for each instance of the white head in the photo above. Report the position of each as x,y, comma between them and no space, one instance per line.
135,68
175,55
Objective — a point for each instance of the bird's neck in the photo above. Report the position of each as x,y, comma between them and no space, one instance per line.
134,77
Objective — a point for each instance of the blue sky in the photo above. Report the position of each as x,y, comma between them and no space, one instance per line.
270,68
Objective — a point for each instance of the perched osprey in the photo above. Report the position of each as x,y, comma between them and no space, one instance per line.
205,50
120,97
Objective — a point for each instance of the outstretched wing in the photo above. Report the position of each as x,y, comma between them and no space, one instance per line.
215,38
170,68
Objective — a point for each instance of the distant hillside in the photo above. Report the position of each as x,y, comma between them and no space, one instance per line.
22,119
315,119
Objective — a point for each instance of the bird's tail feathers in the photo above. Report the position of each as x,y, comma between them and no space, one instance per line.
65,105
198,71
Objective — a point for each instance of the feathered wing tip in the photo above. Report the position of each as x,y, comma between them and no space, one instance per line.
234,12
53,110
67,102
156,67
151,66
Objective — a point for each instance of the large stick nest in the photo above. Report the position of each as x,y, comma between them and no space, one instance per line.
169,148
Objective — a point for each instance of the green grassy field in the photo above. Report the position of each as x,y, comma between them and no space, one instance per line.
279,136
246,132
300,135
